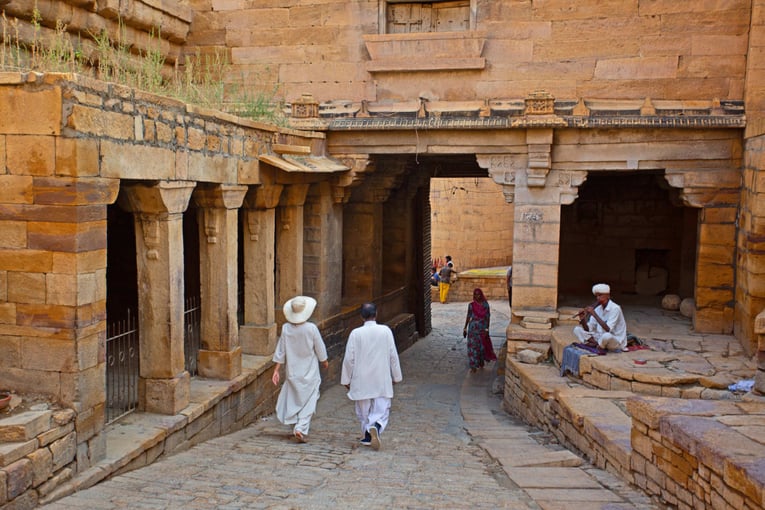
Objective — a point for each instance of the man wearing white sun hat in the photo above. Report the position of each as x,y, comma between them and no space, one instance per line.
301,349
602,324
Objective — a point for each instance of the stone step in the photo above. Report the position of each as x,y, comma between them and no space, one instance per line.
24,426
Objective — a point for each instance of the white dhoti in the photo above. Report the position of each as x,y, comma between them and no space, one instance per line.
371,411
604,340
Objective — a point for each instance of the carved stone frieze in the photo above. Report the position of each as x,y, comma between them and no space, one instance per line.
539,102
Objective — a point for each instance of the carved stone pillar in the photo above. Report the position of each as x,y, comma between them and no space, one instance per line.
289,244
220,356
536,236
323,250
158,211
362,251
258,333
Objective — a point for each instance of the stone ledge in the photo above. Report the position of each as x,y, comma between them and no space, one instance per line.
140,438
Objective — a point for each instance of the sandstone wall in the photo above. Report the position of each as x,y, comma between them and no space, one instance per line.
471,221
592,48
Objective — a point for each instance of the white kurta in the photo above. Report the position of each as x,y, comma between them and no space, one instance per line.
300,349
371,363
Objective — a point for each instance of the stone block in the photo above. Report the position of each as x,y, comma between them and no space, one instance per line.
94,121
63,450
61,289
45,316
224,365
136,162
85,191
13,234
30,155
42,465
55,433
24,287
49,354
687,307
530,356
671,302
10,452
77,157
24,426
165,396
19,477
16,189
29,112
59,478
71,237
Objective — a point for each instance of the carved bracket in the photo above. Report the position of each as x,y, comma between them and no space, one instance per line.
211,221
151,234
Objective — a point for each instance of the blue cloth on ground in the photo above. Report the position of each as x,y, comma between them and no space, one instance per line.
570,361
746,385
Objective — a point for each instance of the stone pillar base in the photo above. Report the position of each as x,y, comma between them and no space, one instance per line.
220,364
164,396
258,340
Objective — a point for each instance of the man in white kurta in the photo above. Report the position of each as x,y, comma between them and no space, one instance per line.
300,348
370,367
604,323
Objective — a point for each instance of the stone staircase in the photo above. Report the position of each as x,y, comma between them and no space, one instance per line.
669,426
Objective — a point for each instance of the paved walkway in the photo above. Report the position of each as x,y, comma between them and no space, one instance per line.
448,445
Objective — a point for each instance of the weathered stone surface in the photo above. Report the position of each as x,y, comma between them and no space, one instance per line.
24,426
42,465
20,476
10,452
63,450
671,302
687,307
529,356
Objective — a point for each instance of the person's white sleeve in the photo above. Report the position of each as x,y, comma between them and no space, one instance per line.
348,362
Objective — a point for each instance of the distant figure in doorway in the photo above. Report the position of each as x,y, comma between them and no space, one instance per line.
370,368
602,324
434,278
445,275
301,349
509,278
479,347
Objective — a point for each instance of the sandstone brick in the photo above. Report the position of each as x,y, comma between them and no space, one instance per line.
13,234
45,316
42,465
74,237
55,433
24,426
75,191
636,68
83,262
136,162
48,354
30,155
30,112
61,289
16,189
24,287
90,422
63,450
77,157
10,452
94,121
19,477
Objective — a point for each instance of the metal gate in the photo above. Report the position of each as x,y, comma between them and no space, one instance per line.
192,324
122,367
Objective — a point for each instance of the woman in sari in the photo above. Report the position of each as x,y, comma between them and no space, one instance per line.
480,349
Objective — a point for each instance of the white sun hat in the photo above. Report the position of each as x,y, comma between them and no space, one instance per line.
299,309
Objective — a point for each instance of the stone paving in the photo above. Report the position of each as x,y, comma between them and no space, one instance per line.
448,445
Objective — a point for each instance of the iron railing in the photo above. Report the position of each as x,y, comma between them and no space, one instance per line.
192,337
122,367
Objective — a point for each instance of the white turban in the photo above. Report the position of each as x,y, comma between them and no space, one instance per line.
601,288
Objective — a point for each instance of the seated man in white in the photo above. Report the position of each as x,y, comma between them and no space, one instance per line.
602,324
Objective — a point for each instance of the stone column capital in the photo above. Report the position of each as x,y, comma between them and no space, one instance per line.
220,196
294,195
162,197
502,170
265,196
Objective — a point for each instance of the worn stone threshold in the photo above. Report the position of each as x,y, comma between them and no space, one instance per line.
139,438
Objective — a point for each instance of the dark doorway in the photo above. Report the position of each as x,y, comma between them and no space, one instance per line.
630,231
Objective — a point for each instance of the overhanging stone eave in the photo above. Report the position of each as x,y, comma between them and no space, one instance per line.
524,122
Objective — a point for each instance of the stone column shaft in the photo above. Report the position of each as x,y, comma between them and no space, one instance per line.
220,356
362,251
258,333
289,244
158,210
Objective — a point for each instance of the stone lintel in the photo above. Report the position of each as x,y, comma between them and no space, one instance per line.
224,365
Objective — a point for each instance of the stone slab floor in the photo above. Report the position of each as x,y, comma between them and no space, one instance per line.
448,445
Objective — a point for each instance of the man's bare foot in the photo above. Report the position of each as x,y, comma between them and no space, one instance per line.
300,437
